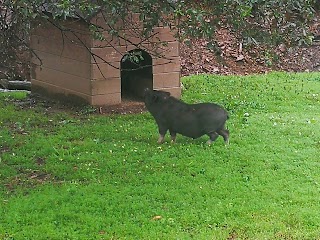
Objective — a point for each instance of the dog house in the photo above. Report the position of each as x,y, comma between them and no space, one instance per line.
69,64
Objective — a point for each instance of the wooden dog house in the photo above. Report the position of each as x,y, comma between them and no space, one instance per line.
64,68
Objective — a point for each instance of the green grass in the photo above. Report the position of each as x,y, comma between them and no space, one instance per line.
69,176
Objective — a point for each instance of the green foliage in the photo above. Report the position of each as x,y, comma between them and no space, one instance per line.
253,22
272,22
104,177
14,32
133,56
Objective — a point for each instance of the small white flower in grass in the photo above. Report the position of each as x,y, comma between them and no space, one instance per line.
170,220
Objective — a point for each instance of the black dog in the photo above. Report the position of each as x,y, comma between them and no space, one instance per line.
191,120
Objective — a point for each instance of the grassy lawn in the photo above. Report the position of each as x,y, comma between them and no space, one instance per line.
88,176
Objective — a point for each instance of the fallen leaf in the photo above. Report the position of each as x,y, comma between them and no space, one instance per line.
156,218
240,58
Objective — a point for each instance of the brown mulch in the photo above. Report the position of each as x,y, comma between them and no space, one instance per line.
234,58
126,107
199,59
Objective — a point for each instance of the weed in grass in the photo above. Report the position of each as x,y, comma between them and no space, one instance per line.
65,176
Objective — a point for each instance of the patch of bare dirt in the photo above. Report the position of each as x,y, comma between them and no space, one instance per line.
28,178
50,106
126,107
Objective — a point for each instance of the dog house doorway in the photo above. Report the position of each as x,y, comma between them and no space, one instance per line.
136,74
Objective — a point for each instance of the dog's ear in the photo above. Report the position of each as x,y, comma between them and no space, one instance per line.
155,98
145,92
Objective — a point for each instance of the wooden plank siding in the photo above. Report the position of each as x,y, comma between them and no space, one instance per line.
105,70
60,48
166,80
106,86
47,89
159,34
64,64
161,65
63,80
106,99
69,69
112,54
